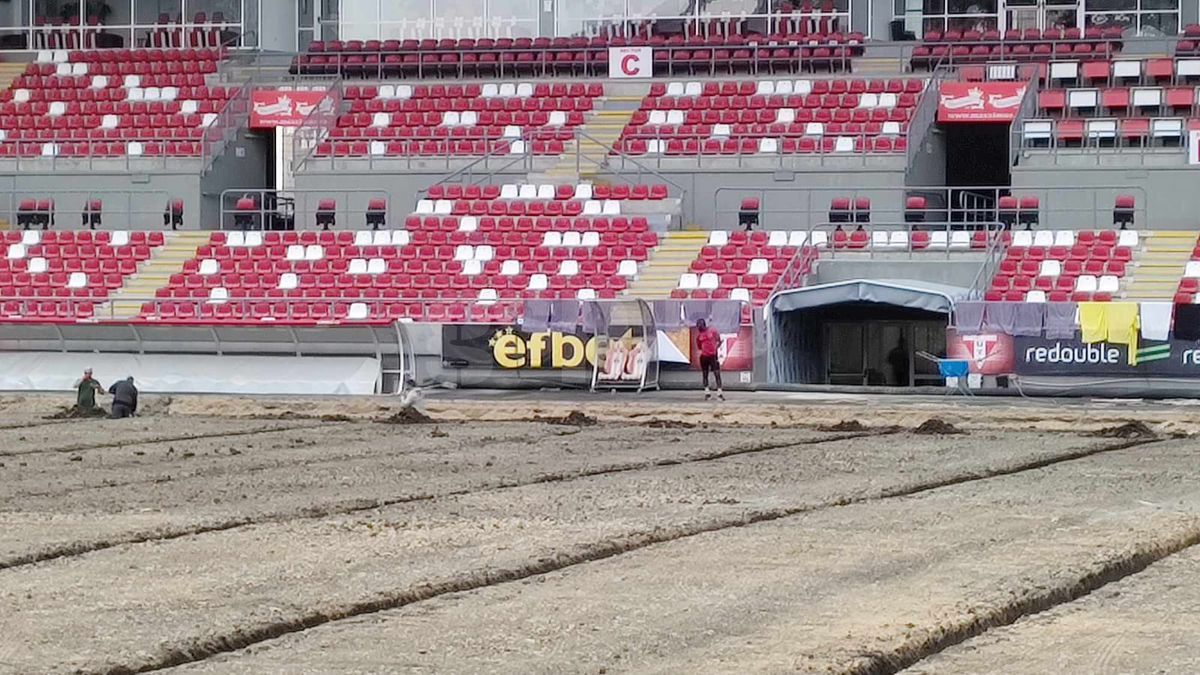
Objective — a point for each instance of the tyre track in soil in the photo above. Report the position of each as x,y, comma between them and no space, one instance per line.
241,638
85,447
226,470
75,549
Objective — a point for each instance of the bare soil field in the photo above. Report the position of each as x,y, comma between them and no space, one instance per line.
306,535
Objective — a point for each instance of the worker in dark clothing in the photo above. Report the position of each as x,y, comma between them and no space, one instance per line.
86,389
125,397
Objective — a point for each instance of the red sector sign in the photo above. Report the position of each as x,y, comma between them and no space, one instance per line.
980,101
270,108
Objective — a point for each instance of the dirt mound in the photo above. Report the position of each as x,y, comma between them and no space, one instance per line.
573,419
1127,430
407,416
75,412
936,427
668,424
844,425
336,418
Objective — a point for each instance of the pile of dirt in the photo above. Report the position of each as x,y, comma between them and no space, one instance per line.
572,419
1127,430
336,418
407,416
75,412
668,424
935,427
844,425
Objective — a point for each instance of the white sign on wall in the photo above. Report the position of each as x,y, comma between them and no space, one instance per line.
630,62
1194,146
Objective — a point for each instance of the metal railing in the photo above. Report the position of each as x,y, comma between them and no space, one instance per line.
99,156
925,115
1061,207
232,118
787,151
1006,51
187,34
298,209
1100,138
760,58
120,209
317,126
639,168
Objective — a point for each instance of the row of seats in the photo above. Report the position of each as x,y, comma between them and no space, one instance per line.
67,101
470,244
61,276
1015,45
310,313
1133,131
574,56
772,117
863,142
439,148
1063,265
1118,101
1121,72
465,120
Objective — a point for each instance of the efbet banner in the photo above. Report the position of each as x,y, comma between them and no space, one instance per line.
511,348
272,108
980,101
1070,358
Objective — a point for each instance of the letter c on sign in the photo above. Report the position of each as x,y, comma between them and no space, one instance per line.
630,64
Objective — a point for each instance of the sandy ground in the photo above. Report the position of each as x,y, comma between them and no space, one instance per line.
1146,623
255,537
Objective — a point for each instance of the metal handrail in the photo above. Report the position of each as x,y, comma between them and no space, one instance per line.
992,256
613,152
317,125
1058,205
234,116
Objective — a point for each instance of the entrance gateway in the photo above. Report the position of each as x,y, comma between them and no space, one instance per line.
859,333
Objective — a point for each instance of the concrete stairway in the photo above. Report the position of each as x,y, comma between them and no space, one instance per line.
602,126
9,72
1158,265
672,258
155,273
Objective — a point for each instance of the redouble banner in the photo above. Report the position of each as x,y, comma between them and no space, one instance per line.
1072,358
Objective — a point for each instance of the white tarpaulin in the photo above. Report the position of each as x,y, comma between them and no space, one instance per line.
193,373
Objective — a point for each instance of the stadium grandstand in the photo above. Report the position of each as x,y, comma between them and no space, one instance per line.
913,194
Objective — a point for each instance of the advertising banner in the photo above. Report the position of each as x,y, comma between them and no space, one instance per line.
625,63
508,347
272,108
980,101
1070,358
986,353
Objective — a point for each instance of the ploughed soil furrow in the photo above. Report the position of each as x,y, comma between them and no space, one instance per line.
1121,566
215,643
360,505
252,465
84,447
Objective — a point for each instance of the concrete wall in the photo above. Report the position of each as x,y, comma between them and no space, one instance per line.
928,167
245,163
141,210
1168,195
950,272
